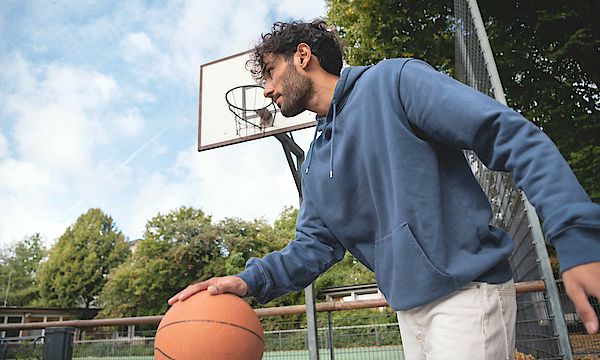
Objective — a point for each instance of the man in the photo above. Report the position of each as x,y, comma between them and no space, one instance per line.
387,181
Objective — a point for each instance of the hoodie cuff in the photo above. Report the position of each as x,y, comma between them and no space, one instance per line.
253,278
577,246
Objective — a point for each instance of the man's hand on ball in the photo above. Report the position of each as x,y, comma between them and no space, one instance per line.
218,285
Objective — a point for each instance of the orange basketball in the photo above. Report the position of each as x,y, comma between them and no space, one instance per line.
215,327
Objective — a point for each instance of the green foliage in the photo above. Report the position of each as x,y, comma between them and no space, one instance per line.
178,249
547,56
546,53
182,248
285,225
80,261
349,271
20,262
378,30
586,165
90,263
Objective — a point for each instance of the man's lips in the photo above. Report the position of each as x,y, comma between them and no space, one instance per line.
275,99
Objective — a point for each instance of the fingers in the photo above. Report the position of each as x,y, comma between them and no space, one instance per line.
220,285
189,291
581,282
584,310
228,284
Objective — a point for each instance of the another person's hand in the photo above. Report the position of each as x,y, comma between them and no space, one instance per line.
218,285
582,282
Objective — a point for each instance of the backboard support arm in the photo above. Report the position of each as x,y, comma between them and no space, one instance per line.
292,149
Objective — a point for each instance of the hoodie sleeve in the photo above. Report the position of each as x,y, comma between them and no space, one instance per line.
461,117
311,253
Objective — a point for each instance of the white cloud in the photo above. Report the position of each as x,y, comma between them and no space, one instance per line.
82,85
248,180
159,149
24,178
54,135
299,10
201,31
28,192
3,146
17,74
129,123
144,97
52,115
55,117
136,45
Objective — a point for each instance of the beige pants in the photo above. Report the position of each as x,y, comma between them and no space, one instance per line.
475,322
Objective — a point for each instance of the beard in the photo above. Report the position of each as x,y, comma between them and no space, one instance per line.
297,90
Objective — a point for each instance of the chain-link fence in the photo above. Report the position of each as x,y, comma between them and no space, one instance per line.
28,347
115,344
368,337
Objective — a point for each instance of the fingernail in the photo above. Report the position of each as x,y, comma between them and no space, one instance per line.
589,326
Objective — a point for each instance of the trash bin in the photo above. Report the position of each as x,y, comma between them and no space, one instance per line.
58,343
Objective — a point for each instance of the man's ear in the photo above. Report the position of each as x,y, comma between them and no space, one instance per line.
303,55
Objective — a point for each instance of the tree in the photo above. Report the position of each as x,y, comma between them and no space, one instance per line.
546,52
81,260
244,240
547,56
378,30
178,249
182,248
20,264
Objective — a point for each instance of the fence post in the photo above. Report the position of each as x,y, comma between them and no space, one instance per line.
280,348
331,347
58,343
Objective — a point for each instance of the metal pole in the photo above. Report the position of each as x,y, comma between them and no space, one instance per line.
311,322
548,276
291,148
7,287
331,347
488,56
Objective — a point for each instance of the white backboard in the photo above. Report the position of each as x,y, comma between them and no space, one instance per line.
217,125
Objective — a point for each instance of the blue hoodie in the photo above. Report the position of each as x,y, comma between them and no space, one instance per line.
387,181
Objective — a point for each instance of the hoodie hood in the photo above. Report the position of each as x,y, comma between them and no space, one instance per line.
343,87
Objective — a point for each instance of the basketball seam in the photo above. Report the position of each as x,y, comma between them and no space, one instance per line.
216,322
170,358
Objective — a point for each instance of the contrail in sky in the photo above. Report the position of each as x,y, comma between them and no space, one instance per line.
122,165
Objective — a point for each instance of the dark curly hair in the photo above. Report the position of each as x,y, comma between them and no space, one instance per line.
284,39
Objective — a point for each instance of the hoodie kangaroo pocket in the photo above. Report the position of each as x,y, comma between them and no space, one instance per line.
404,272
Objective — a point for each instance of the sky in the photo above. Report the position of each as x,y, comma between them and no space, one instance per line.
99,109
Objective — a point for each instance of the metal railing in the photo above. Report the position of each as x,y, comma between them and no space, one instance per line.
372,337
351,337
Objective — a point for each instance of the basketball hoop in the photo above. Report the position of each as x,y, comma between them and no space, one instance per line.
251,110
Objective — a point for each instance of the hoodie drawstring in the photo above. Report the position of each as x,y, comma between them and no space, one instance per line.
310,150
331,141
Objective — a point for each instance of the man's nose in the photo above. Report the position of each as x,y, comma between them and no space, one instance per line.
268,91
